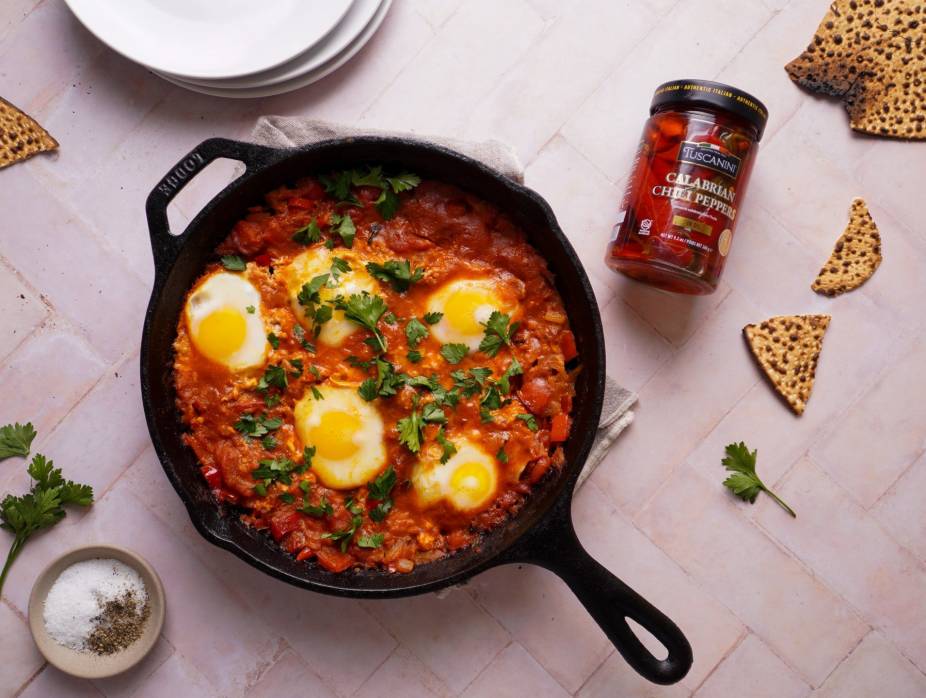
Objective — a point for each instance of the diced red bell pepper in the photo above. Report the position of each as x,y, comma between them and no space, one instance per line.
300,204
559,428
568,344
282,525
305,554
263,260
334,560
212,475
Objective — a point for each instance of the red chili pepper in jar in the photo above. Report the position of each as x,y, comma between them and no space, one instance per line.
682,200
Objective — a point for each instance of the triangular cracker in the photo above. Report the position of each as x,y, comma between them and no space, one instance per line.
787,348
855,257
21,137
872,55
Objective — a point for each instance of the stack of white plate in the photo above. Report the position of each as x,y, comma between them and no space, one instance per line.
235,48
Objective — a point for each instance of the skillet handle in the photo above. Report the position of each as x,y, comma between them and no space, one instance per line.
165,244
608,600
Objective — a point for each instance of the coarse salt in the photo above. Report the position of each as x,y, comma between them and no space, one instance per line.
76,600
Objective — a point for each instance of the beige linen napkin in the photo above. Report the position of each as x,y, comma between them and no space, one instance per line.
289,131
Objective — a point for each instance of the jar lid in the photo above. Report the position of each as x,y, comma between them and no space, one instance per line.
712,94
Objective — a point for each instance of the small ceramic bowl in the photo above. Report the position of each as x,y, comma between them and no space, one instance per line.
87,665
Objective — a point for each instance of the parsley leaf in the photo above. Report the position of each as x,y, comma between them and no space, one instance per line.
414,356
339,266
472,383
368,390
344,226
432,413
345,535
498,333
273,340
410,431
387,204
322,509
454,353
373,540
397,273
274,377
415,332
299,334
504,383
529,420
41,507
16,439
251,309
447,446
501,455
366,310
272,470
744,482
403,182
338,184
256,427
233,262
308,233
433,318
382,484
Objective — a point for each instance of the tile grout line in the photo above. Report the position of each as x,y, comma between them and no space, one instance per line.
726,655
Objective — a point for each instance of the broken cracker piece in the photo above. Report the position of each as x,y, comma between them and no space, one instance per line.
872,55
855,256
787,348
21,136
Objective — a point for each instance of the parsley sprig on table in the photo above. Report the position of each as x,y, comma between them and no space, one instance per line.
744,482
16,439
43,506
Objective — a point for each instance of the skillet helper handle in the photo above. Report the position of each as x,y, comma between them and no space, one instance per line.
164,243
611,602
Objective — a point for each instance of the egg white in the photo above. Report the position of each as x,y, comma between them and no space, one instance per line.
466,305
347,433
315,262
216,312
468,480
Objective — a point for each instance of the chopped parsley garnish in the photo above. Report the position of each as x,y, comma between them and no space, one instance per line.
414,356
390,319
323,508
317,394
529,420
344,226
367,390
397,273
296,365
308,234
501,455
308,453
366,310
339,186
273,340
16,440
470,383
504,383
272,470
379,491
498,333
251,309
348,533
274,377
433,318
287,498
415,332
373,540
410,431
233,262
433,413
454,353
339,266
257,427
447,446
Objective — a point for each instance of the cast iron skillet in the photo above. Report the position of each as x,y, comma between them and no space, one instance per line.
541,534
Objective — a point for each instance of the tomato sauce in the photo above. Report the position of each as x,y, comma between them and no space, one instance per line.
450,234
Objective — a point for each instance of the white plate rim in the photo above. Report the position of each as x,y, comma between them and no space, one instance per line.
296,83
78,7
316,56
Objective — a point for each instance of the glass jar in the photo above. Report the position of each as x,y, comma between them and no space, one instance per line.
679,210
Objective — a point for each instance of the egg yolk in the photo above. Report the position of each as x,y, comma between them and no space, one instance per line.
333,436
221,333
471,482
461,309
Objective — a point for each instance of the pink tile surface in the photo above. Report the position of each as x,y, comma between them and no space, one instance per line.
831,601
752,669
